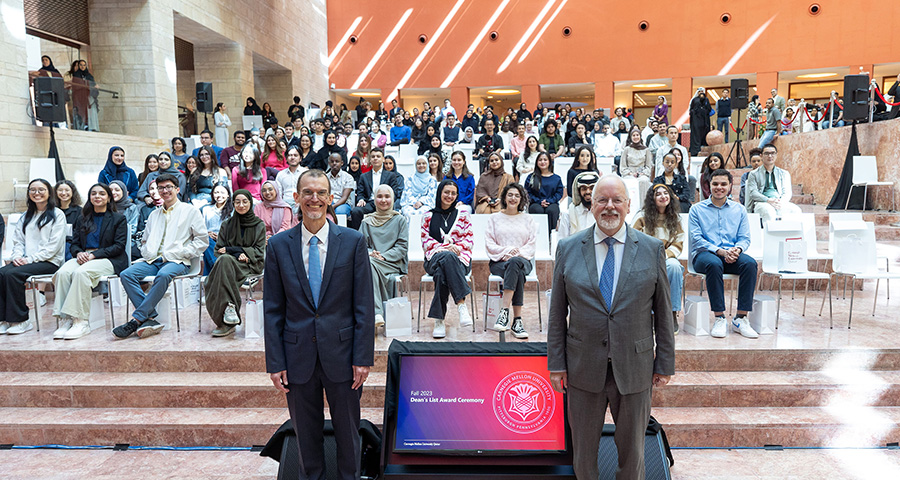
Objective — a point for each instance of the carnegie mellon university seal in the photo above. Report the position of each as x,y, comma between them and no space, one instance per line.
523,402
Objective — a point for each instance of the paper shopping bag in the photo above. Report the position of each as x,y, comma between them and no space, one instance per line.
397,317
253,319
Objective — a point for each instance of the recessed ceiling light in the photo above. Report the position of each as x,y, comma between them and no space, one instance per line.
365,94
503,91
817,75
490,96
649,85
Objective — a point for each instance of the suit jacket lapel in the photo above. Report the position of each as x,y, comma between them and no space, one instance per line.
104,224
628,259
334,246
296,234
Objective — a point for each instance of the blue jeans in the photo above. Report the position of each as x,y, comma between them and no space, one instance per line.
675,272
827,124
714,266
767,138
723,124
145,304
209,257
343,209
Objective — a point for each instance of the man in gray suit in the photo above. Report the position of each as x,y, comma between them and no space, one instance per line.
320,333
611,281
769,188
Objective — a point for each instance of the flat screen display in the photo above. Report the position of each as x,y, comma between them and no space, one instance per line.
479,404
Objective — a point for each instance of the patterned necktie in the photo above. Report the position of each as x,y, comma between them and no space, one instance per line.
609,272
315,270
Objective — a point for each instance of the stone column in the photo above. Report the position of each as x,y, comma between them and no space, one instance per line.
133,53
229,67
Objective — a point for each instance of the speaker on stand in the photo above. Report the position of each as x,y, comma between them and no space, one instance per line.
50,108
856,97
740,92
204,101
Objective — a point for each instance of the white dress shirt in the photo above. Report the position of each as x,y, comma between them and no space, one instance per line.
600,250
376,181
322,235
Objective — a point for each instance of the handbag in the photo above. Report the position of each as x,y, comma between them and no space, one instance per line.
253,319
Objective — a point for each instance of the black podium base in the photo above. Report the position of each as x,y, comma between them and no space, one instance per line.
473,472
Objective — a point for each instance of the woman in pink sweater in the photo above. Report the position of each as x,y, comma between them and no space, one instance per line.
510,241
249,175
447,241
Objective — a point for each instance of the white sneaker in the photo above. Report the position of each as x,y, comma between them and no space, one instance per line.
22,327
4,326
231,316
440,331
743,327
719,329
379,320
42,298
64,325
502,323
79,329
465,320
518,328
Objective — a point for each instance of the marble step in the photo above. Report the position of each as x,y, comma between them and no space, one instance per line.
155,390
253,390
685,426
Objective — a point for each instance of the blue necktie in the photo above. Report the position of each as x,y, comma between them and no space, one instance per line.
315,270
608,275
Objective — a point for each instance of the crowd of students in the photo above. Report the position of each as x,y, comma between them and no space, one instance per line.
224,203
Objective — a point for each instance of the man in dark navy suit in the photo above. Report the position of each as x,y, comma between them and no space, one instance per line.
320,314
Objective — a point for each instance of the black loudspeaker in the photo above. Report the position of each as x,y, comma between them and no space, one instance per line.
204,97
49,99
740,92
856,97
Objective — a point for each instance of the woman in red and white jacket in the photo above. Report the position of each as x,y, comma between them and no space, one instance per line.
447,241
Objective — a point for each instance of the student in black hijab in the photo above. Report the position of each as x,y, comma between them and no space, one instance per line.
47,69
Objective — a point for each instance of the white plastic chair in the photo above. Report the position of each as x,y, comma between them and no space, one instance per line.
865,174
849,217
777,231
195,271
690,268
867,270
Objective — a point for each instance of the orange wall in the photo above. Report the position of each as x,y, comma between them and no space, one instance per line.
685,39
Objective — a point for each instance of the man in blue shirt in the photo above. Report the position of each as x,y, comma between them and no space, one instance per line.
206,139
723,114
719,234
400,133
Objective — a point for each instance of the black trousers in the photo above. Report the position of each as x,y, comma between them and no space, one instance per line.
513,272
306,406
12,288
551,210
449,274
357,214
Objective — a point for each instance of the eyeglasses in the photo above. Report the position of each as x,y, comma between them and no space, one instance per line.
617,201
37,190
322,194
165,188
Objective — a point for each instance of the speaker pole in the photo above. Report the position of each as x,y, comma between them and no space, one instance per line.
737,159
206,120
54,154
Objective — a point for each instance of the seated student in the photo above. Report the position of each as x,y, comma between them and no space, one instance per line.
431,145
400,133
342,184
550,141
389,164
240,248
206,140
204,178
230,157
465,181
755,155
585,161
151,164
526,159
140,222
188,168
659,218
38,248
447,241
165,166
468,136
273,157
436,166
712,163
672,137
545,190
365,188
491,184
675,180
273,210
249,175
510,240
69,201
115,169
769,188
124,205
288,177
329,147
450,132
719,235
175,233
99,249
214,213
579,216
178,154
578,137
387,237
419,191
636,162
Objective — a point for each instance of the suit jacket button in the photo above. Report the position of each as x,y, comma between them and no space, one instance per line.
314,341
